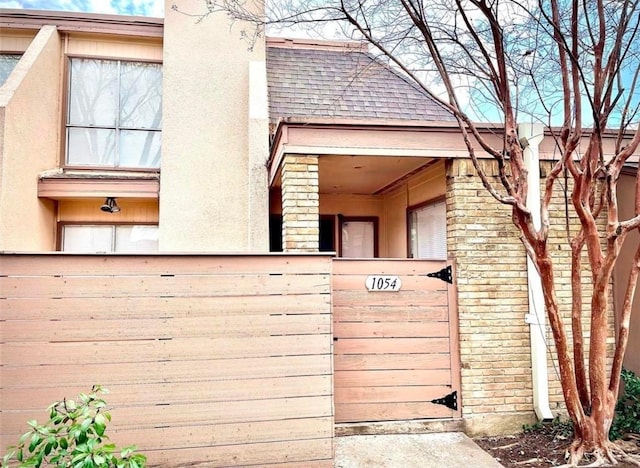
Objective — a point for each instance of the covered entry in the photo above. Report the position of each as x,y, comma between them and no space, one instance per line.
395,347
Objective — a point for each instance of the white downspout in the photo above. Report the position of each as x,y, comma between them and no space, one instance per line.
534,133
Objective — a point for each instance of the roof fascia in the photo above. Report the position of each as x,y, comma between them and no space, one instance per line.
83,22
281,137
296,43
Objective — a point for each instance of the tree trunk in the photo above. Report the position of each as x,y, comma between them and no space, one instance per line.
592,429
592,438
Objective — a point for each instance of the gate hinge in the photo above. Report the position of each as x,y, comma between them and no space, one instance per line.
444,274
450,401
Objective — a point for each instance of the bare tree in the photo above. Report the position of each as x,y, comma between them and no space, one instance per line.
571,63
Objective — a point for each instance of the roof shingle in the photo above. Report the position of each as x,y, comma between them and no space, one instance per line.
344,83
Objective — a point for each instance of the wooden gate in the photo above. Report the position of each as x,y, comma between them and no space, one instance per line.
395,351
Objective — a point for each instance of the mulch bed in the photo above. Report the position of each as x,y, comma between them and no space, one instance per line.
542,447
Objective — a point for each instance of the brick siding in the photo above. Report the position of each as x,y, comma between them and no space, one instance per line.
493,297
300,204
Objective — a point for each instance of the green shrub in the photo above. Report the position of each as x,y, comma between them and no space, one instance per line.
72,438
627,419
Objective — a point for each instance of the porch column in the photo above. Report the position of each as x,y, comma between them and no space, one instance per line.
300,203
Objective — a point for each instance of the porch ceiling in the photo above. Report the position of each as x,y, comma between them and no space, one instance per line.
363,175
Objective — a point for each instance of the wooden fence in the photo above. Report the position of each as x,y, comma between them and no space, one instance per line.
210,360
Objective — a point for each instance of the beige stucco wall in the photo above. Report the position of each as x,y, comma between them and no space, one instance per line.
213,140
626,197
29,128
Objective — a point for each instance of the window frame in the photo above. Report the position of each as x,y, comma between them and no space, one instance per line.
367,219
417,206
62,224
64,121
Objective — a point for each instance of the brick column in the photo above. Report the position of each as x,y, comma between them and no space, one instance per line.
300,203
492,303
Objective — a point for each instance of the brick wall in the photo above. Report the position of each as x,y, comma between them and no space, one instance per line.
300,203
492,300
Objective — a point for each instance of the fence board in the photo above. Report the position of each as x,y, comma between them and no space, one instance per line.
210,360
388,329
163,286
388,266
132,416
391,378
164,328
179,392
77,308
407,298
390,312
391,361
390,411
390,346
161,264
229,434
204,349
398,394
295,452
122,373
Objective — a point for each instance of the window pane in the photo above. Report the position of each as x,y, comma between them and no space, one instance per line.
93,95
136,238
87,239
7,63
139,148
429,232
358,239
91,146
141,95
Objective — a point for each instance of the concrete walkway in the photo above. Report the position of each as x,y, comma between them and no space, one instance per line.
440,450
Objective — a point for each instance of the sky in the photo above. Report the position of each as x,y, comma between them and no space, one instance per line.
153,8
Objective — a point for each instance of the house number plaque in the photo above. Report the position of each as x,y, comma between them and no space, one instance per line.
383,283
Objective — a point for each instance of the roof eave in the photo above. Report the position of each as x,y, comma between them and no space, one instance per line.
82,22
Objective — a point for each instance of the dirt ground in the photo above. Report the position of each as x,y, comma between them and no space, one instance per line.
542,448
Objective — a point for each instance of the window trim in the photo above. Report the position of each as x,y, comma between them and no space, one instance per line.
417,206
345,219
66,94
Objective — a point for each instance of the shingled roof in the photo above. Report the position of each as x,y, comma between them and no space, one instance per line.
342,82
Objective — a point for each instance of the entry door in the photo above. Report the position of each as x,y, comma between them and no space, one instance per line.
358,237
395,352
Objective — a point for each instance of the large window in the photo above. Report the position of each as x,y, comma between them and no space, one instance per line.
7,63
109,238
114,114
428,231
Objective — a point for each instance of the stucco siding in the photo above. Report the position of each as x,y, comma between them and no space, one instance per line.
30,121
205,186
